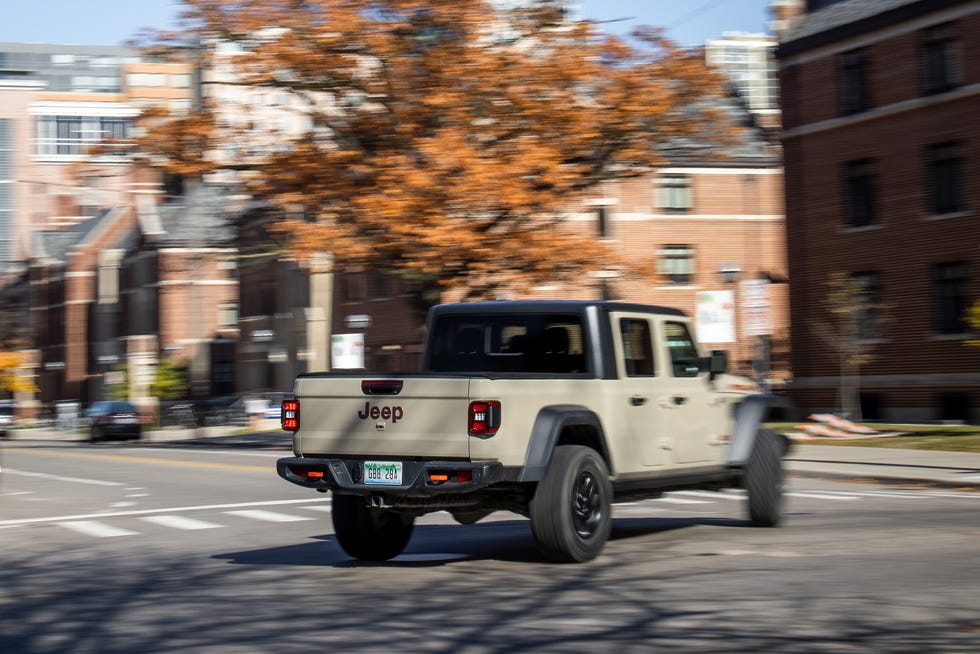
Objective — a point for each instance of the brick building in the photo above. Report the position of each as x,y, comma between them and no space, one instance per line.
881,118
66,296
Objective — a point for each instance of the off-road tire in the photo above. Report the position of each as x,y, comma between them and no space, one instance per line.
367,533
571,512
764,480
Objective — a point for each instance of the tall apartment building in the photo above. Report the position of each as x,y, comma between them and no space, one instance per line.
881,117
749,63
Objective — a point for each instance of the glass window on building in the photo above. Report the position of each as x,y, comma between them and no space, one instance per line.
74,135
945,178
146,79
181,81
675,193
602,221
854,93
355,286
860,193
676,264
941,55
867,311
228,314
951,300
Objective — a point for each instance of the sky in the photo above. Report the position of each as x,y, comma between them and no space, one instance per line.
113,22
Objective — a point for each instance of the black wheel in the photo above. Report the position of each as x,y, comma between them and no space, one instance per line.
764,479
94,435
369,534
571,512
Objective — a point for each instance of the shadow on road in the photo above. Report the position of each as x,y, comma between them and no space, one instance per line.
436,545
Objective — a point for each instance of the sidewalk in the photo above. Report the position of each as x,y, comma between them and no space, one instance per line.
149,435
888,465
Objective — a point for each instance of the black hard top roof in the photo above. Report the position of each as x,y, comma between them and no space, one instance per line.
549,306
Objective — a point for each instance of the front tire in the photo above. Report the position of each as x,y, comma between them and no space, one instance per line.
764,480
369,534
571,511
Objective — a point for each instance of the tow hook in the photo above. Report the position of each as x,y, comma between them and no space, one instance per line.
378,502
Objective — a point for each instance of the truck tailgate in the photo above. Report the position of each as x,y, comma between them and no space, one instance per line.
340,417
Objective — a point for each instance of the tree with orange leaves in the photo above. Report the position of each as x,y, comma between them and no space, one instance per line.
442,141
12,379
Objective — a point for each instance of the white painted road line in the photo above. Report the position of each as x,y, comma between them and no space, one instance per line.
74,480
179,522
326,508
711,496
269,516
903,496
97,529
679,500
821,496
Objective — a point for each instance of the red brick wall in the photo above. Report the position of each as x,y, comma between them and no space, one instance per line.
912,365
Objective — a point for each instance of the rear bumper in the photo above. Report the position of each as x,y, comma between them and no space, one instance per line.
347,475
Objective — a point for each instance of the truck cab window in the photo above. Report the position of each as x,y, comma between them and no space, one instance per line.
637,351
684,358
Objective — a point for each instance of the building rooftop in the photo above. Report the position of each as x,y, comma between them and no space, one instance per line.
844,19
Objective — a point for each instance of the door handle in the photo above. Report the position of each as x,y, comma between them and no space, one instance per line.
636,400
679,399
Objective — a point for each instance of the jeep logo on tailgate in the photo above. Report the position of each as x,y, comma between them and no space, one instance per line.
375,412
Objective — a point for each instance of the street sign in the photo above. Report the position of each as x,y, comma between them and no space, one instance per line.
347,351
715,317
756,307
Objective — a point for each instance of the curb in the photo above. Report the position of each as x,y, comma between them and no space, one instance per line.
885,479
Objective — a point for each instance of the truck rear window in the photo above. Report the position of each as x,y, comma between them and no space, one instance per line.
536,343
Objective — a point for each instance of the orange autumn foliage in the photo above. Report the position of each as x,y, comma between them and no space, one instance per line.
446,141
12,364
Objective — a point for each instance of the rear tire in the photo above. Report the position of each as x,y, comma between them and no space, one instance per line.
369,534
764,480
571,512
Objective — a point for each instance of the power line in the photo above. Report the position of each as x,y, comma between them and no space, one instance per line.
706,7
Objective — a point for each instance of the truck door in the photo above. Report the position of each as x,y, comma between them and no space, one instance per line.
648,422
686,395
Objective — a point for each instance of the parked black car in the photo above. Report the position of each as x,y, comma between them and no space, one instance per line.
6,416
113,419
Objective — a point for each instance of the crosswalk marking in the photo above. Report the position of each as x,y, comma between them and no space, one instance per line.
180,522
269,516
95,525
325,508
96,529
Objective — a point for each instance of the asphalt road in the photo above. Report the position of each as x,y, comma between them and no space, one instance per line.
182,548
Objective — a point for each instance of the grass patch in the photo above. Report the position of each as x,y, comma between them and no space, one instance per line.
950,438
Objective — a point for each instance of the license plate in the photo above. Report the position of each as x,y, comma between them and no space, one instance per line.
383,473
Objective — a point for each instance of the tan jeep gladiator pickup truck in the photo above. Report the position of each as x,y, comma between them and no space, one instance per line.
551,410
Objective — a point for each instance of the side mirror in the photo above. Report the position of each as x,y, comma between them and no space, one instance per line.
717,363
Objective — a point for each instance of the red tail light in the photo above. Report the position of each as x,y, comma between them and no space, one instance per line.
484,419
290,415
